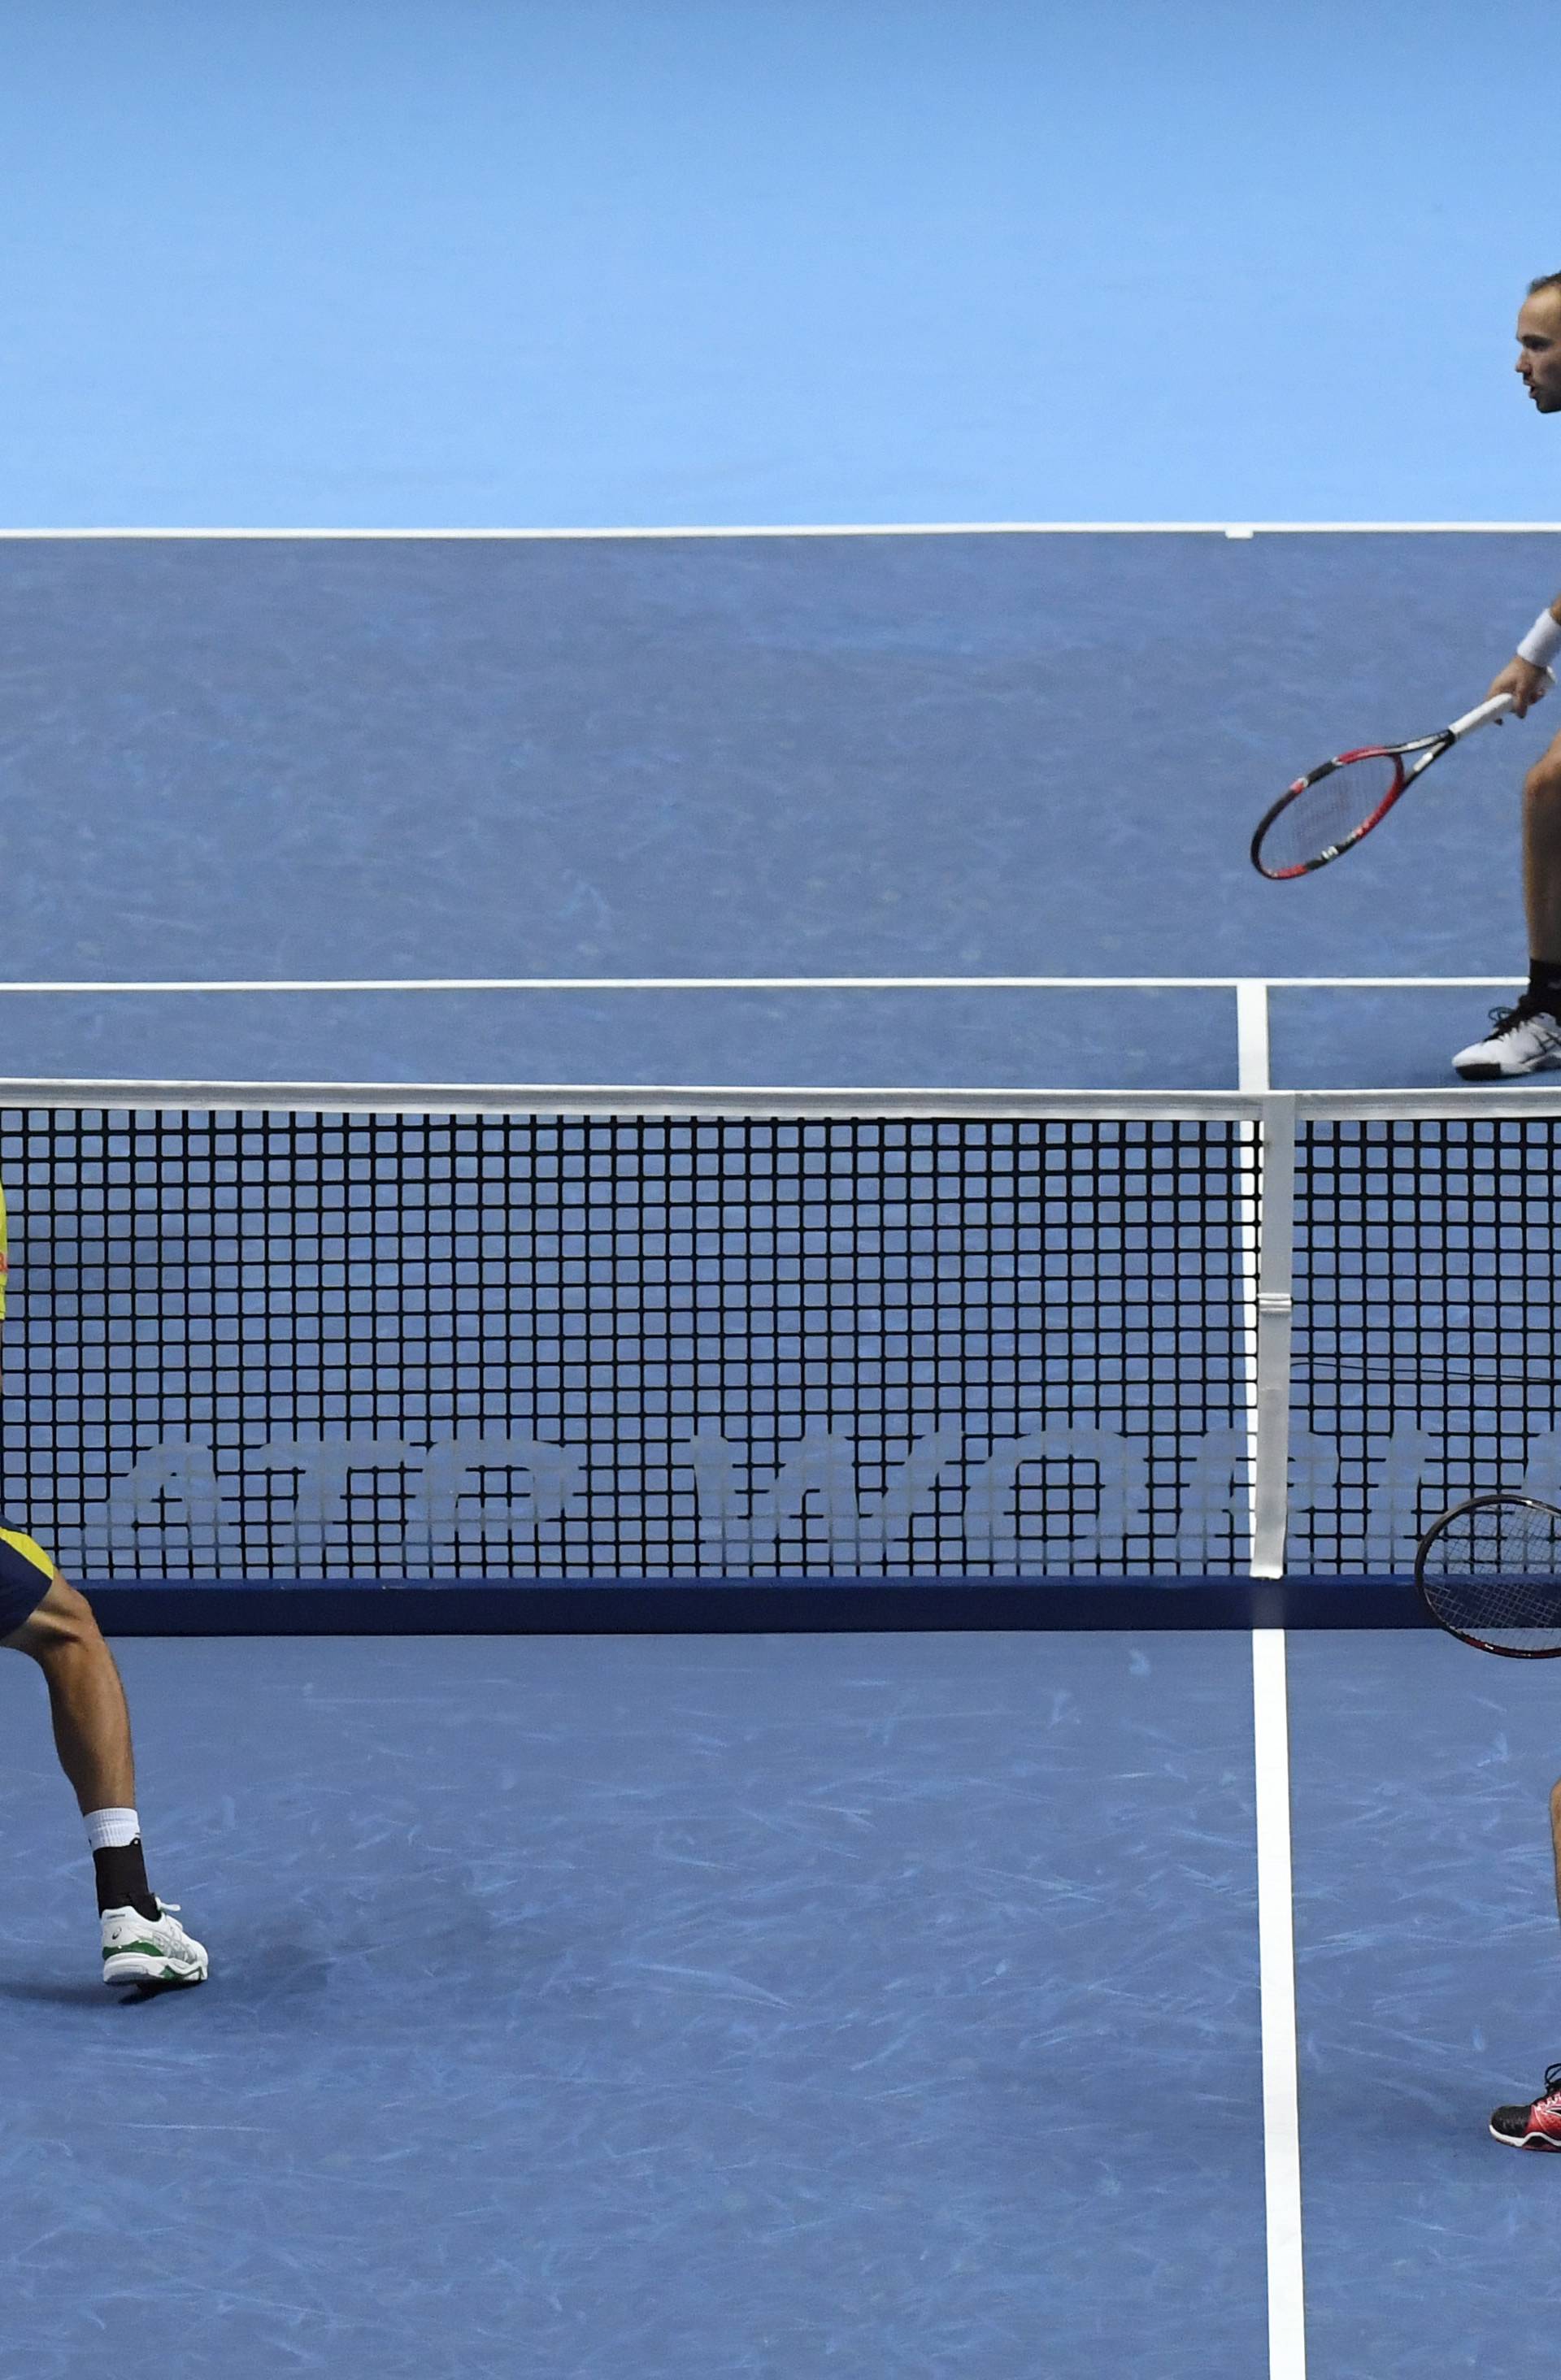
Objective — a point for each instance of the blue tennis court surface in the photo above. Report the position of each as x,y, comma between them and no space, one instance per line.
697,2005
814,757
1427,1987
671,2006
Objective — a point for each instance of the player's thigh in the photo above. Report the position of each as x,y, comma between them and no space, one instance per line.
38,1608
1544,777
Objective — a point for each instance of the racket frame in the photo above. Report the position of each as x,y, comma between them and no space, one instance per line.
1428,747
1483,1503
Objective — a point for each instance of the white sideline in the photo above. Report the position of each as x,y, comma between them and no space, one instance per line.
1276,1993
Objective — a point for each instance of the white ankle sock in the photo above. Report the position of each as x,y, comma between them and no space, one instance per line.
111,1831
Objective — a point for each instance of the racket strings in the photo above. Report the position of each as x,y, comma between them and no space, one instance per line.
1493,1573
1325,815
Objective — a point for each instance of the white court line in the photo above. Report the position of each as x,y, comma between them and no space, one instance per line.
1252,1036
1276,1964
846,529
790,983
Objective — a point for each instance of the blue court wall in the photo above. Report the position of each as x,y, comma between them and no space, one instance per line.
369,262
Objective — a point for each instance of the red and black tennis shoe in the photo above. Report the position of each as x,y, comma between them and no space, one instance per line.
1537,2126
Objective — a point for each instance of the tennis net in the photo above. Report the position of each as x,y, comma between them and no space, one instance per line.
268,1332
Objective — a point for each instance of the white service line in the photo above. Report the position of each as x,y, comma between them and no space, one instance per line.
791,983
1276,1989
663,983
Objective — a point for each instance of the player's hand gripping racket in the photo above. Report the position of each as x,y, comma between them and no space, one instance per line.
1336,807
1489,1574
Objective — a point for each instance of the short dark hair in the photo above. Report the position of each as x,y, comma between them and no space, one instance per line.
1546,281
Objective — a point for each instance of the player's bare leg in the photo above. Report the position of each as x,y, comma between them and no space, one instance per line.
1538,2125
1526,1038
141,1943
1541,855
86,1698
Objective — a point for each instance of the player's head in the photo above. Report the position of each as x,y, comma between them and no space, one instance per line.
1539,341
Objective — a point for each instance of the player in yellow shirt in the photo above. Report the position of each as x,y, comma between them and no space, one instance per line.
40,1615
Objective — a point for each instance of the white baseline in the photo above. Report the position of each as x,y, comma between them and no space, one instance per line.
779,983
1238,529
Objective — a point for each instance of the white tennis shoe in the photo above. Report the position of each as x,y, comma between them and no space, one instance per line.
138,1950
1522,1040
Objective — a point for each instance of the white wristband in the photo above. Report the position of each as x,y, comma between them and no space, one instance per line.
1543,642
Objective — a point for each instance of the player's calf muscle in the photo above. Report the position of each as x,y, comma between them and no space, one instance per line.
1541,855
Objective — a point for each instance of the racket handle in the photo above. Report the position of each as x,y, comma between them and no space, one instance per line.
1497,707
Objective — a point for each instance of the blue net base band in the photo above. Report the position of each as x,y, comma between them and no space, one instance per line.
776,1607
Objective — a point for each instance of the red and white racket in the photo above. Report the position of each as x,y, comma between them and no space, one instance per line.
1329,812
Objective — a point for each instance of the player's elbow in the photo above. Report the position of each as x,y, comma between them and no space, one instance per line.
1555,1809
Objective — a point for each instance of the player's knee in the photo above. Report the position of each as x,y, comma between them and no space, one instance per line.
62,1622
1556,1807
1542,787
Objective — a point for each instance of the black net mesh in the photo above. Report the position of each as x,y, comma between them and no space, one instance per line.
1493,1573
326,1345
1426,1345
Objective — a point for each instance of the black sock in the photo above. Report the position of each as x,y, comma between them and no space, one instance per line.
1544,985
122,1880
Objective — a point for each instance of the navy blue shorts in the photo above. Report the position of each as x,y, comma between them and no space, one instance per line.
26,1573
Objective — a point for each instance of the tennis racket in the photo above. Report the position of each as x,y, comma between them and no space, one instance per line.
1488,1573
1339,804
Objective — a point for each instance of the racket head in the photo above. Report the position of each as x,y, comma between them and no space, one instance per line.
1489,1572
1328,813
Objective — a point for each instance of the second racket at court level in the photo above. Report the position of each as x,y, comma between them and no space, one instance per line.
1488,1573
